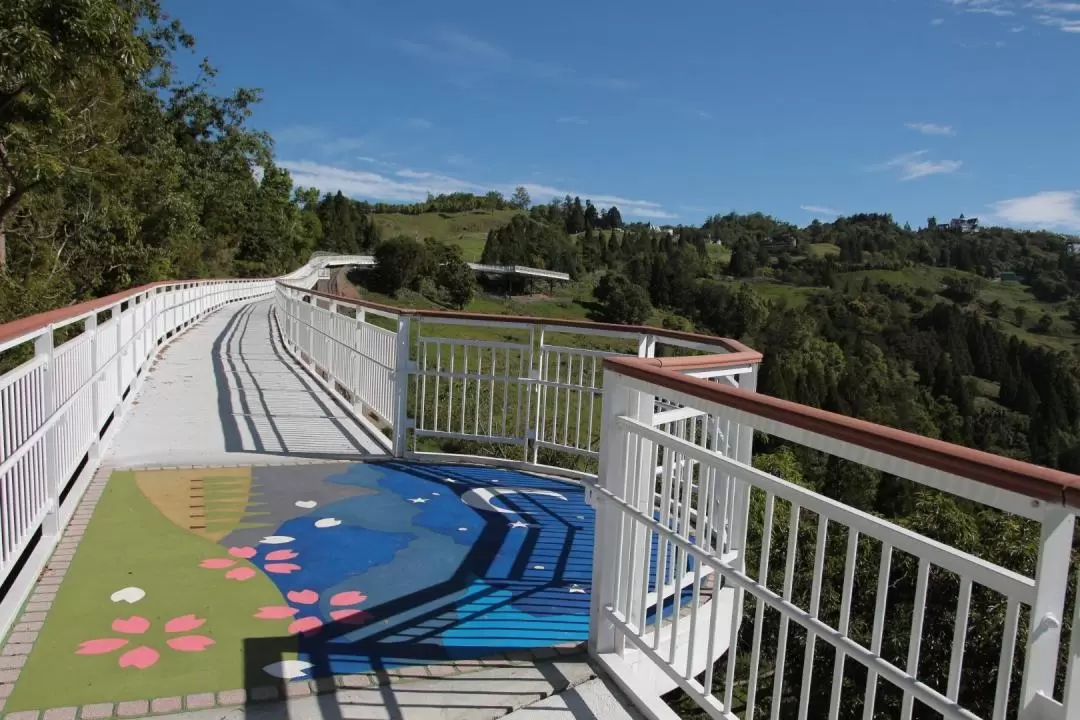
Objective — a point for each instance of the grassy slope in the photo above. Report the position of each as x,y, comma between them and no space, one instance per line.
467,229
130,543
1010,294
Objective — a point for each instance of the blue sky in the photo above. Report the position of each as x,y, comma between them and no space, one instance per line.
672,111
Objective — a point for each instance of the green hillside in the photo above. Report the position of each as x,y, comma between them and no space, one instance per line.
468,230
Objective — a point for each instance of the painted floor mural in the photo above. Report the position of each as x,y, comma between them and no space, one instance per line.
200,580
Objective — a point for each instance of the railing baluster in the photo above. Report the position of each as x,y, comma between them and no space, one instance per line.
1005,660
915,638
845,617
759,611
789,580
884,570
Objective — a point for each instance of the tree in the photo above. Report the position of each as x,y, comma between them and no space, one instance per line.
63,65
454,279
520,199
399,263
621,301
1020,314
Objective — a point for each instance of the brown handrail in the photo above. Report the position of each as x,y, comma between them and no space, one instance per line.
1027,479
33,323
733,346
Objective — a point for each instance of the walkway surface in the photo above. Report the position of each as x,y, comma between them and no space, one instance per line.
228,393
228,561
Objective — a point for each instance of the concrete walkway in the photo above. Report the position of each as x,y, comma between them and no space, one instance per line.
559,689
226,392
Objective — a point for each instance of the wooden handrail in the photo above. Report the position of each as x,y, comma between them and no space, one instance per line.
34,323
1027,479
748,354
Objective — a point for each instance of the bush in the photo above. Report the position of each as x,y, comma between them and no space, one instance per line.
621,301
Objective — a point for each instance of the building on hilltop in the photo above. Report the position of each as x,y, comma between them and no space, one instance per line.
960,224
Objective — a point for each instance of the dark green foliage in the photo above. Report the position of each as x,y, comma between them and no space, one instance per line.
621,301
454,279
400,262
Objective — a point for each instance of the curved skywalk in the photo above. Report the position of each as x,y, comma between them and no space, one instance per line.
227,393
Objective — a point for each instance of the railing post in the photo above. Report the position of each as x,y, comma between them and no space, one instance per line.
90,328
401,384
43,347
620,556
1051,581
740,518
118,357
647,346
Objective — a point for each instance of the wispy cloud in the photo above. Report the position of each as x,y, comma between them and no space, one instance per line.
417,123
914,165
701,114
937,21
1063,23
1064,16
318,139
375,161
1049,210
820,210
572,120
928,128
999,8
410,185
453,47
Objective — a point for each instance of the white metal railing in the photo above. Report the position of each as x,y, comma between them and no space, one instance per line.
527,388
709,496
55,406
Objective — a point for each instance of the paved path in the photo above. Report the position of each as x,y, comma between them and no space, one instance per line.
226,392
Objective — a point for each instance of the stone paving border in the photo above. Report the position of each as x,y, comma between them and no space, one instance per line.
20,641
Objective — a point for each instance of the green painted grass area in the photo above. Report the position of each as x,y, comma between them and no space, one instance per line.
467,229
129,543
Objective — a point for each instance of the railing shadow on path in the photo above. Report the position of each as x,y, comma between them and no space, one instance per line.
244,391
420,616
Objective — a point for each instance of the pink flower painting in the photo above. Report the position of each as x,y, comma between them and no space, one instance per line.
143,656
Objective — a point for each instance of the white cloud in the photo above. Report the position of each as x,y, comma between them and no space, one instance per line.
937,21
453,47
914,165
702,115
1051,210
409,185
636,208
820,210
999,8
927,128
572,120
1060,15
417,123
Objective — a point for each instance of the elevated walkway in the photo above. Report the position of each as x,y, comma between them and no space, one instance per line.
229,394
198,519
222,406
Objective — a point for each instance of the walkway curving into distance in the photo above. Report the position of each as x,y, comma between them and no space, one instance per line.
227,393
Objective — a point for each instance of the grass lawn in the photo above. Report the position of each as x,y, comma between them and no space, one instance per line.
822,250
467,229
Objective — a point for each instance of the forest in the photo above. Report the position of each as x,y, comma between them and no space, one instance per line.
115,171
